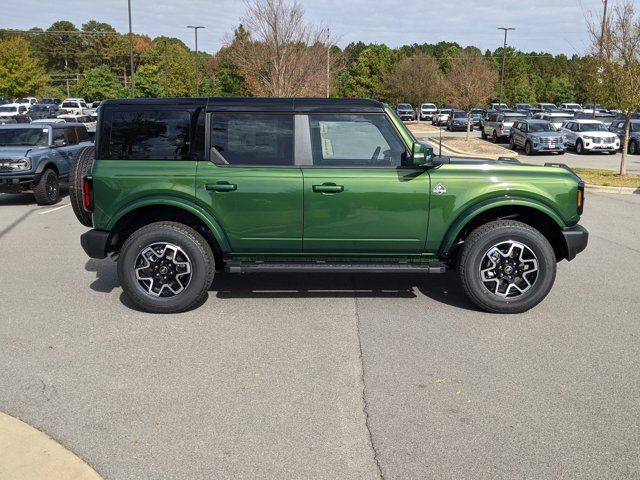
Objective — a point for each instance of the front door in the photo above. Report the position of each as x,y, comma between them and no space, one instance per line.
250,185
358,198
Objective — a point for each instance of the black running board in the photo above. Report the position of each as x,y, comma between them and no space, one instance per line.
320,267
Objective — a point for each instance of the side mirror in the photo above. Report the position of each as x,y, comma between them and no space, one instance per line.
421,155
59,143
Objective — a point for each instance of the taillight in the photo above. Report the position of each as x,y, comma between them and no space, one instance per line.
87,193
580,199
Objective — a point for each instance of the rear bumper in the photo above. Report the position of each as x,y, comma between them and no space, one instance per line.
95,243
575,240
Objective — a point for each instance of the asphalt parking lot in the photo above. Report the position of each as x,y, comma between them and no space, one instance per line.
326,376
571,158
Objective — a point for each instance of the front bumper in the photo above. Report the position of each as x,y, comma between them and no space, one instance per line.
95,243
575,240
18,183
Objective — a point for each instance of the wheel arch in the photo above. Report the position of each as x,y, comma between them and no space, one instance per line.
533,213
152,210
46,163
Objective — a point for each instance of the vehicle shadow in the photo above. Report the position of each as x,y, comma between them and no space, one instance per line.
442,288
27,198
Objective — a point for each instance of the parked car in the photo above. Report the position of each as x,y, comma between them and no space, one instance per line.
5,100
42,110
10,110
619,127
26,101
536,136
498,125
427,111
441,118
7,120
571,107
359,189
522,107
601,115
558,119
405,111
498,106
546,106
590,135
476,116
73,105
38,157
88,121
458,120
49,120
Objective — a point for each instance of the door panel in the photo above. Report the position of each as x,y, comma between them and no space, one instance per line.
365,210
259,208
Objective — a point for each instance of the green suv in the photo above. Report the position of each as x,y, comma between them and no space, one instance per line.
178,189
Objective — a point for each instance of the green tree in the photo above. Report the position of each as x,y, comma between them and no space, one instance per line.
561,90
100,83
21,73
365,79
148,82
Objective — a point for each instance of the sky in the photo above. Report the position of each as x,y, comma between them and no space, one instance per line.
555,26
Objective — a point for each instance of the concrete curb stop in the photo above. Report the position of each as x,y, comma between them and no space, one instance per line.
27,453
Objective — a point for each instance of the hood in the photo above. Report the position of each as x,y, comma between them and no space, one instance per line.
599,134
545,134
13,152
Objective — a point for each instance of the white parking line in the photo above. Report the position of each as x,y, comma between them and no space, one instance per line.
53,209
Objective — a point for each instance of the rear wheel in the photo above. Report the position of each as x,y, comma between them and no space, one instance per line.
507,267
633,147
528,149
482,134
579,147
494,137
47,192
166,267
512,143
81,166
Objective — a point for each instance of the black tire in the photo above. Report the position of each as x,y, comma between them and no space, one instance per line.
82,164
512,143
633,147
579,147
47,192
528,150
198,254
477,246
494,137
482,134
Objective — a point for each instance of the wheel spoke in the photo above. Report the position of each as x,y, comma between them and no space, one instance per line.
509,269
163,270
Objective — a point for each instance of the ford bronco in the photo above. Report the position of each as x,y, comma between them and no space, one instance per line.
180,188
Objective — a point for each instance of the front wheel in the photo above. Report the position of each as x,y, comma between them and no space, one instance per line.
528,149
579,147
633,147
47,192
507,267
512,143
166,267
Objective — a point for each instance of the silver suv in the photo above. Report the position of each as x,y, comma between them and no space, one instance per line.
498,125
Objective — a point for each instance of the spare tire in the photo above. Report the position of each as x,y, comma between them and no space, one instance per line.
82,165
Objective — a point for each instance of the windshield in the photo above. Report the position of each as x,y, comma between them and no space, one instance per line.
635,126
559,119
510,118
459,115
39,108
69,105
22,100
592,127
24,136
8,109
428,105
572,105
404,106
542,127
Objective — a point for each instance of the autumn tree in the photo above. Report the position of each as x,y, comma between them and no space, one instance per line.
616,50
416,79
281,55
21,74
470,82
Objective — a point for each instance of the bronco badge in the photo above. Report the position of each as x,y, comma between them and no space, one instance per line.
439,189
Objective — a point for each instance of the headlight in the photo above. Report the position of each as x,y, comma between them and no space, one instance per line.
587,137
23,163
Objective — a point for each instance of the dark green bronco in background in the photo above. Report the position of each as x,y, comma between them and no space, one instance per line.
179,188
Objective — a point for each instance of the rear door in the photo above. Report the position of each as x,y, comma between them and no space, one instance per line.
358,196
251,185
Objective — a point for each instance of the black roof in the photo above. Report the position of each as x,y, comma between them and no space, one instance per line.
255,104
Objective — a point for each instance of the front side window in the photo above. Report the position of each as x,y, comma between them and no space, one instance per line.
252,139
148,134
343,140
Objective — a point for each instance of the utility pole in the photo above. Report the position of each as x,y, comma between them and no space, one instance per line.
328,64
132,78
504,57
601,43
195,73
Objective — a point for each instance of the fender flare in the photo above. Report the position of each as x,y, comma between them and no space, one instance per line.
211,223
474,210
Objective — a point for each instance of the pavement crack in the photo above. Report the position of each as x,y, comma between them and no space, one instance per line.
365,405
615,243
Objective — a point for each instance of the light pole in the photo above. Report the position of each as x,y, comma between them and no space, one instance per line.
504,57
195,73
132,80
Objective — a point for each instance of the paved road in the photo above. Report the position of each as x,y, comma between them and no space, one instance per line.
330,376
597,160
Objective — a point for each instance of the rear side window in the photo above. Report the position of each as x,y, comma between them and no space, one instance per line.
355,141
70,135
82,134
148,134
252,139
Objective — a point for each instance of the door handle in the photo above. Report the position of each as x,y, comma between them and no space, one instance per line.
328,188
221,187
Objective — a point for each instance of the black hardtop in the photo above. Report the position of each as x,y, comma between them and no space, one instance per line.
255,104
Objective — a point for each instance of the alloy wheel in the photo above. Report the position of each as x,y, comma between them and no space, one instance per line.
163,269
509,269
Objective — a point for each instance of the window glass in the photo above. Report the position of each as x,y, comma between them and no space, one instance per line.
355,140
82,133
70,135
150,134
58,134
252,139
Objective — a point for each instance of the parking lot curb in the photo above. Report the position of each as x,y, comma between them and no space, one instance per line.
27,453
508,153
618,190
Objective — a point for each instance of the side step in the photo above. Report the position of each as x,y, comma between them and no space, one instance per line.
240,267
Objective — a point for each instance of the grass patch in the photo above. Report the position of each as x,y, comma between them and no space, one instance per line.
607,178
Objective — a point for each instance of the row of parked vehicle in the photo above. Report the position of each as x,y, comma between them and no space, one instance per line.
48,110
